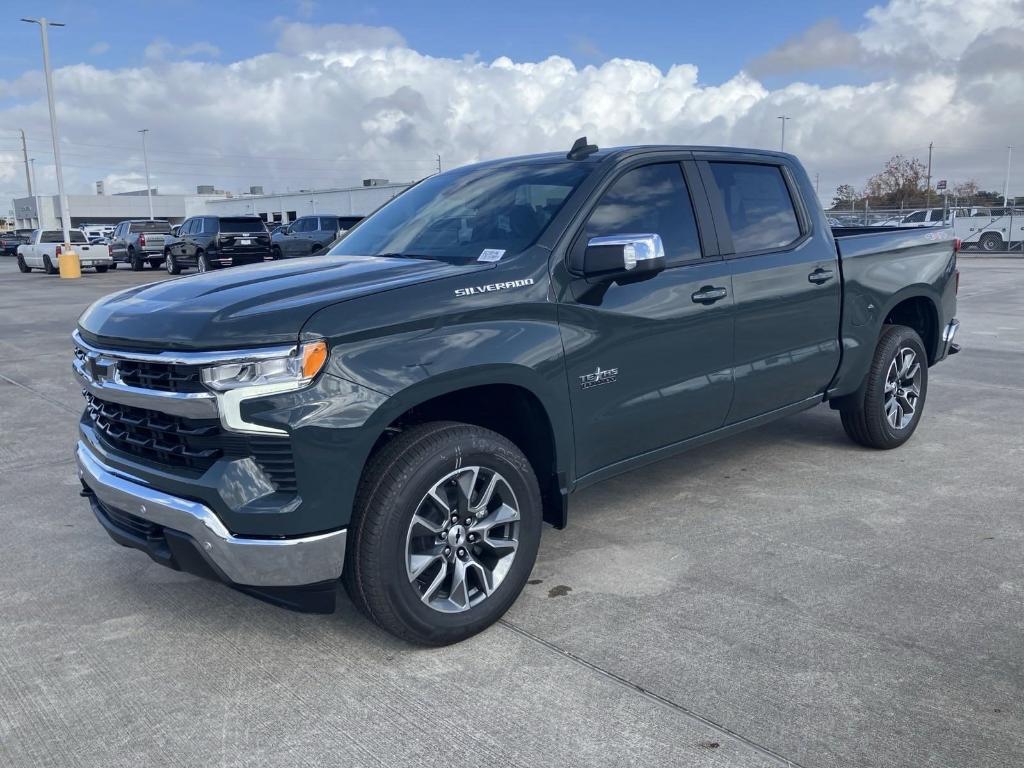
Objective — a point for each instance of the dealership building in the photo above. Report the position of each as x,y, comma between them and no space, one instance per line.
44,211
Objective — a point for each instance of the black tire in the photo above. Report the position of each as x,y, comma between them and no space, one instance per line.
864,415
203,263
101,268
275,253
156,263
135,261
113,265
22,266
393,487
48,267
991,242
171,264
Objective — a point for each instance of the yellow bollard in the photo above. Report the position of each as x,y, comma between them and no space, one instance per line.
68,264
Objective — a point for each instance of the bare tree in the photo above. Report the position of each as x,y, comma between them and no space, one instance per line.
902,178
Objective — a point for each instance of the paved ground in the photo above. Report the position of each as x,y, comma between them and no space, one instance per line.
781,598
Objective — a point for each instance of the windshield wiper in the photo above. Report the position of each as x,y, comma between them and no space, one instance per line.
406,256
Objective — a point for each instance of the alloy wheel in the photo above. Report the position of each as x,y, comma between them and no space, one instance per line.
902,388
462,539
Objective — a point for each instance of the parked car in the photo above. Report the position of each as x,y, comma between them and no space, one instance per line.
45,245
209,242
929,217
310,235
404,412
139,241
9,242
98,232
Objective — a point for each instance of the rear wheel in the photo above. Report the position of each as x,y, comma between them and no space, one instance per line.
444,532
101,268
275,253
22,266
990,241
887,409
135,261
48,265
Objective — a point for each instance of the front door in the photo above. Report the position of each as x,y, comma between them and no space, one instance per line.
786,285
649,362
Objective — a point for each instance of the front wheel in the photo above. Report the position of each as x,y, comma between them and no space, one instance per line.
171,264
444,534
203,263
887,409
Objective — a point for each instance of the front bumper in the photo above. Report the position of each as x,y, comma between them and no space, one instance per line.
189,536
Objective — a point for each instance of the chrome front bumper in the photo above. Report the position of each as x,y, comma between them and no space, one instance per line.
243,561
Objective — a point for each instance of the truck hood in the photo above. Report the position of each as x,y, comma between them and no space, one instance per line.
251,306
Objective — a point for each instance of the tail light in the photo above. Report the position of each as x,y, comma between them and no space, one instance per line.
956,245
57,252
142,239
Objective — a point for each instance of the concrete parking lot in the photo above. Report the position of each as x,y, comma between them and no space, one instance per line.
779,598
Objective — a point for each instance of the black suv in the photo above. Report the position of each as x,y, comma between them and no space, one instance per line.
309,235
208,242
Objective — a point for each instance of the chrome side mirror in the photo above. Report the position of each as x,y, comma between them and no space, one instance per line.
624,255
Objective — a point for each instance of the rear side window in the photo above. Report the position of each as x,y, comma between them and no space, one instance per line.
151,226
240,224
652,199
757,205
328,223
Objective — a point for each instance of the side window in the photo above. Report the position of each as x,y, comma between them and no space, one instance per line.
209,225
652,199
307,225
757,205
328,223
916,218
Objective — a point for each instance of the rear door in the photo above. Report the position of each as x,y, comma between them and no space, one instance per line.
649,362
785,280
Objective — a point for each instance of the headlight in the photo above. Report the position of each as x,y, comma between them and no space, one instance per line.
289,371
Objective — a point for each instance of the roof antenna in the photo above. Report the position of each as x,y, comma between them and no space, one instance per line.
580,149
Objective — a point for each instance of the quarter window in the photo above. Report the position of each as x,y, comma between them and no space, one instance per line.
652,199
757,205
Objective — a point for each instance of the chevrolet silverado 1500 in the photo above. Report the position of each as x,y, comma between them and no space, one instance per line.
402,414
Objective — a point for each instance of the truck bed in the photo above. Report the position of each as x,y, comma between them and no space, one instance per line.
880,267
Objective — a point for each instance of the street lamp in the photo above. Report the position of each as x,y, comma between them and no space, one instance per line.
145,160
782,142
65,211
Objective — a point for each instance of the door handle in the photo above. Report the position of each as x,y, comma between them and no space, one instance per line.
820,276
709,294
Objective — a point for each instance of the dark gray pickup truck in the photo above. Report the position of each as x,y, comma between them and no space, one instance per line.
402,414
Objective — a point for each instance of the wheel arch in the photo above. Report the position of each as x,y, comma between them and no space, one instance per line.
509,404
917,309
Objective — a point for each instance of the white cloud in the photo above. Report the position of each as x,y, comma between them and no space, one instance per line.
298,38
337,103
160,50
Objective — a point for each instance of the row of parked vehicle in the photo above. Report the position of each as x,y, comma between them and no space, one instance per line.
200,242
982,228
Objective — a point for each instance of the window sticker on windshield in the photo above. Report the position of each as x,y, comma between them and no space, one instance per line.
491,254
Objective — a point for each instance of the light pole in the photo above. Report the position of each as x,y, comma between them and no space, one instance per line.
65,212
1006,183
782,141
145,162
312,205
32,162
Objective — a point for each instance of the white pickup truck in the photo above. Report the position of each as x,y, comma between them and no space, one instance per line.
43,248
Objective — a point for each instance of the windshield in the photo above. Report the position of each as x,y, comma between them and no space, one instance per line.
457,215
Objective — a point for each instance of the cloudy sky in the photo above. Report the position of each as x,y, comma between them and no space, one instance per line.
315,94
